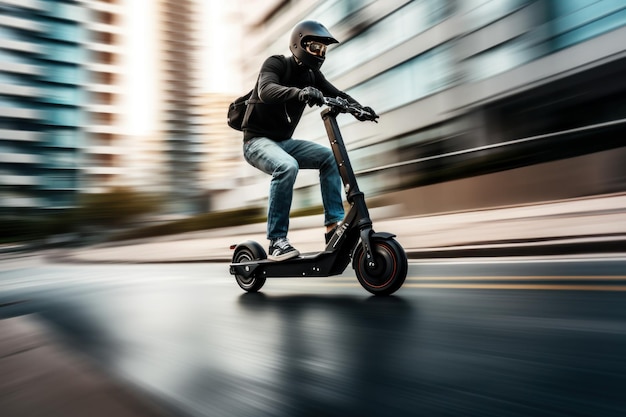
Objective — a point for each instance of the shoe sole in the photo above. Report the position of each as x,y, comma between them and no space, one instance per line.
284,256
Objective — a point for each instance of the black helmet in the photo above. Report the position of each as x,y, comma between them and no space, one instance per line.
308,43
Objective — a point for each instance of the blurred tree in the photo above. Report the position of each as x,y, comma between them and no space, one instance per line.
94,213
115,208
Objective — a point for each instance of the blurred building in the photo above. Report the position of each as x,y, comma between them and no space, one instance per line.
481,101
64,131
42,104
162,156
222,48
179,100
498,102
222,156
104,57
73,92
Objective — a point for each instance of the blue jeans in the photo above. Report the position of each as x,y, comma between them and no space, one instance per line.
282,160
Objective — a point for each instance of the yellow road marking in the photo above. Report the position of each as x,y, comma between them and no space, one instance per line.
524,278
521,286
473,282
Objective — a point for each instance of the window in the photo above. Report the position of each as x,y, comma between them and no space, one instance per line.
102,97
60,181
575,21
65,11
66,138
394,29
102,77
104,17
501,58
419,77
64,31
64,52
60,158
64,116
67,74
107,38
479,13
104,57
62,95
332,12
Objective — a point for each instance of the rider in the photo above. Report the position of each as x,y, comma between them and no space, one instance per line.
278,101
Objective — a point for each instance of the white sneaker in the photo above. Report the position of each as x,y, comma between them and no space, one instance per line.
281,249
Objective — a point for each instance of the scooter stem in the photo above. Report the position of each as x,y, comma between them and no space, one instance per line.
341,154
354,196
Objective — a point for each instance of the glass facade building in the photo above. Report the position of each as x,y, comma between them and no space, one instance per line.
41,104
460,84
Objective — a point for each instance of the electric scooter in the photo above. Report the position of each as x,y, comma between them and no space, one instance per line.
379,261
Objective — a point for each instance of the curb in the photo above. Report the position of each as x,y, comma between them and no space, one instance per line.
539,247
594,245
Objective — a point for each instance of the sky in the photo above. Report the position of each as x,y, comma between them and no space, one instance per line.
140,93
219,42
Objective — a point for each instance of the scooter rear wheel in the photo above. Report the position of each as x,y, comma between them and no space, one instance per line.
389,272
251,283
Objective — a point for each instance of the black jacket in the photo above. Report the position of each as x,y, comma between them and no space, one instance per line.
275,109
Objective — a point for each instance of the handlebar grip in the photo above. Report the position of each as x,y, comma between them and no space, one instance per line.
361,114
344,106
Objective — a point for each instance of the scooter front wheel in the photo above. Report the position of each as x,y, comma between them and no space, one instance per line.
251,283
389,270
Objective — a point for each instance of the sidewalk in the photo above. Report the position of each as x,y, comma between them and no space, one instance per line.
42,378
579,226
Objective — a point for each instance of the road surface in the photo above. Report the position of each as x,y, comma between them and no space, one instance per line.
461,338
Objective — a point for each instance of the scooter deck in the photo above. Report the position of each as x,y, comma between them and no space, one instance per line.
312,264
302,257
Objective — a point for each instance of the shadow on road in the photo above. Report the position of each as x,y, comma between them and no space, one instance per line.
341,355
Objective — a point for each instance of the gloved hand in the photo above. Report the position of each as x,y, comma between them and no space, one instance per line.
370,115
312,96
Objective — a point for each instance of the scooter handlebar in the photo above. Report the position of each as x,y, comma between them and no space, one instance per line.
342,105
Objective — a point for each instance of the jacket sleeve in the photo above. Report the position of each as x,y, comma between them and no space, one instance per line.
270,89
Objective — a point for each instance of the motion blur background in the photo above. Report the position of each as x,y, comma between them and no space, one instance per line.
113,112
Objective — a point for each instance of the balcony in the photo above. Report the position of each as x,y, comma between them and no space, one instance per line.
20,90
22,24
20,135
18,180
19,158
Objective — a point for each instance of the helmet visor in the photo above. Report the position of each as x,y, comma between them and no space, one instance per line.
315,48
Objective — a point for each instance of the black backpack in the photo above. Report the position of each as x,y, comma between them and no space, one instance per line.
238,109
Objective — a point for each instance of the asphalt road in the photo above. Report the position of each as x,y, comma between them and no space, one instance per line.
497,338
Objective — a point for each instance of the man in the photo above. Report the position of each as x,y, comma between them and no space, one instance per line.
284,87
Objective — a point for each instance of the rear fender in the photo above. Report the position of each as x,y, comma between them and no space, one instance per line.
255,248
248,268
